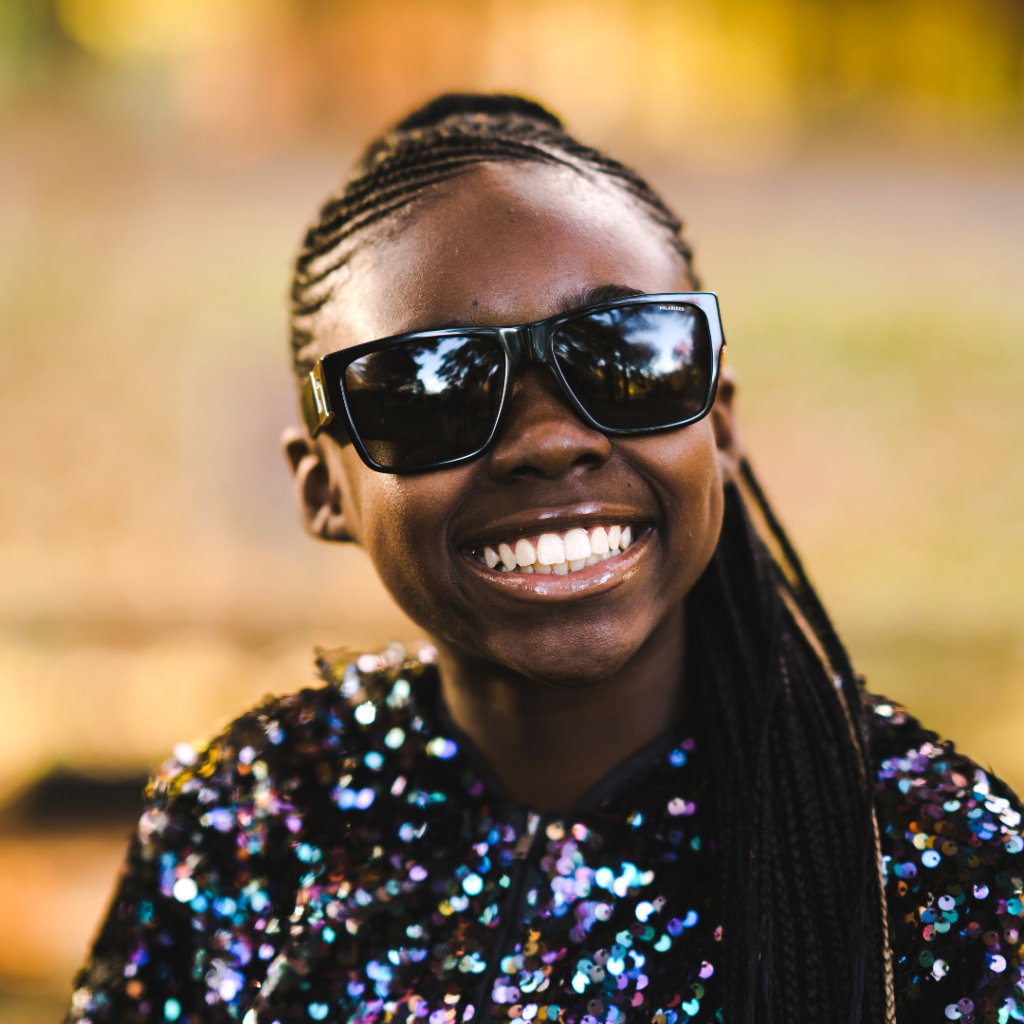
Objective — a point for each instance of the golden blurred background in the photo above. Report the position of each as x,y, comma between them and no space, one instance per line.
852,177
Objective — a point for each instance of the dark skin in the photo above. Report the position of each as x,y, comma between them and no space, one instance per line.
554,682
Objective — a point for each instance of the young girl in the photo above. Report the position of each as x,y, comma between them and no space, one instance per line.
635,778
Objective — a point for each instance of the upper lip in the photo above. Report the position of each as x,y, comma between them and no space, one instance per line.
549,520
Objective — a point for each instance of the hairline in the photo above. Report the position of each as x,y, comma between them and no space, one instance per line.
391,226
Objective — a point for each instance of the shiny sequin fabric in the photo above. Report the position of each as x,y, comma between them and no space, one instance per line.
952,842
341,854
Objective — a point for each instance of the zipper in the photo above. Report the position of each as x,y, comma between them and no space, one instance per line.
479,996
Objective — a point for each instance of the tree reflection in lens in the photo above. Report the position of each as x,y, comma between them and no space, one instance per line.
637,366
426,400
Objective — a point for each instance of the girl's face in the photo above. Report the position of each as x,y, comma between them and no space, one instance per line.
504,244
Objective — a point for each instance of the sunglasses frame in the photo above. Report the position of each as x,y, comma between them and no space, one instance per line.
324,404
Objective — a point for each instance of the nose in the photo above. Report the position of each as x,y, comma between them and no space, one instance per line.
542,437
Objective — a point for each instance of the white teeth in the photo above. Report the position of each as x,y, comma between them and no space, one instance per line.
558,553
577,545
550,550
526,553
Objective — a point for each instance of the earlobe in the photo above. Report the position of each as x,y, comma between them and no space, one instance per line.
723,420
318,503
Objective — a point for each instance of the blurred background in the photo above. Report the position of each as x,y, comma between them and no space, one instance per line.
852,177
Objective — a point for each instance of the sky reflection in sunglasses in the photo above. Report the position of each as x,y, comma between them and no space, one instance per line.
427,399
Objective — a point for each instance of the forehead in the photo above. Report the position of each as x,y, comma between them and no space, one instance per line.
503,243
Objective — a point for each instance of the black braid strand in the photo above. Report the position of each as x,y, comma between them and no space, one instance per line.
802,914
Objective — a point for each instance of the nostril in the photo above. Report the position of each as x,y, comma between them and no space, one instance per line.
550,456
527,473
531,471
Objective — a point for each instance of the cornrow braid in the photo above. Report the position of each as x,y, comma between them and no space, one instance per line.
433,145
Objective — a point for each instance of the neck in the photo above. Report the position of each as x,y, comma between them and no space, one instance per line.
549,744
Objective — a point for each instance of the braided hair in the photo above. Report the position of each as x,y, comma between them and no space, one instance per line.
804,925
805,928
441,140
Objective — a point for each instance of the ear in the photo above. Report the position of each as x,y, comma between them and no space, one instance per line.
723,421
318,503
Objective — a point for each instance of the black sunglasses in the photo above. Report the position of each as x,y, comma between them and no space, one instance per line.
429,399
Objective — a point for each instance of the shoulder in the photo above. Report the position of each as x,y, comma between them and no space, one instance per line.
952,848
231,835
282,760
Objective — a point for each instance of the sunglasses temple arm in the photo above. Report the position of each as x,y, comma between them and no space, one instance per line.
314,404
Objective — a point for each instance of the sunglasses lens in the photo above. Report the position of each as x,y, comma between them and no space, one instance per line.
632,367
425,401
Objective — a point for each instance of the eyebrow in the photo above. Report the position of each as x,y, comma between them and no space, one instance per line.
576,300
602,293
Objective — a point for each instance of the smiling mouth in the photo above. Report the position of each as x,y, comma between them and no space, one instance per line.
555,553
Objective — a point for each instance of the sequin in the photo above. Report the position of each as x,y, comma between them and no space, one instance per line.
939,811
336,855
365,714
185,890
185,754
442,747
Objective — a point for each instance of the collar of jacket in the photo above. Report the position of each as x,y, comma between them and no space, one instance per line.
426,893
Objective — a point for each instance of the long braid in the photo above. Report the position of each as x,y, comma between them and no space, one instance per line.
877,975
802,924
803,902
804,932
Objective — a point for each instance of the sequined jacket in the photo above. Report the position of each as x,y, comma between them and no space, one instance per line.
335,856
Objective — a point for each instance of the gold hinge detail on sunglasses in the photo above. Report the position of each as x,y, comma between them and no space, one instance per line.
316,406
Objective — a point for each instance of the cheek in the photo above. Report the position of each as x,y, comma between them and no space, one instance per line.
402,525
399,521
684,469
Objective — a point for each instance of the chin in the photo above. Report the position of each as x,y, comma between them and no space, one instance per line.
571,667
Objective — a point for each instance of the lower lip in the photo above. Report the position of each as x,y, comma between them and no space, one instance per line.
590,580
